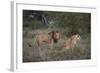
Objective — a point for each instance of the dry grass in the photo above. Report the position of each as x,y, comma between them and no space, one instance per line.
31,52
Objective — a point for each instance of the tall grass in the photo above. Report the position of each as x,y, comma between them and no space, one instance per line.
32,53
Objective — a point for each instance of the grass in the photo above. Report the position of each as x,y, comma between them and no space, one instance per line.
31,52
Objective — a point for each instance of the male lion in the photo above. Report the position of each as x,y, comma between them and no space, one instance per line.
46,38
51,37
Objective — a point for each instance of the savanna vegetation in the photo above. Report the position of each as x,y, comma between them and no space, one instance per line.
67,22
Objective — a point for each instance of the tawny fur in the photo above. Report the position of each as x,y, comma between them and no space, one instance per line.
51,37
72,41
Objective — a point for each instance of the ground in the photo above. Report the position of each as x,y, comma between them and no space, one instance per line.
31,53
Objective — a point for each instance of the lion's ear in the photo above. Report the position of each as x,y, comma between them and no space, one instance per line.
51,33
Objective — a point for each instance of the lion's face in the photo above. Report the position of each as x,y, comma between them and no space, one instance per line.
72,41
75,38
55,35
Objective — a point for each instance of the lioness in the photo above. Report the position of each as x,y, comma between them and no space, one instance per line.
72,41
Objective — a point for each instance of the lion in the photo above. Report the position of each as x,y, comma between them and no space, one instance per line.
72,41
51,38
